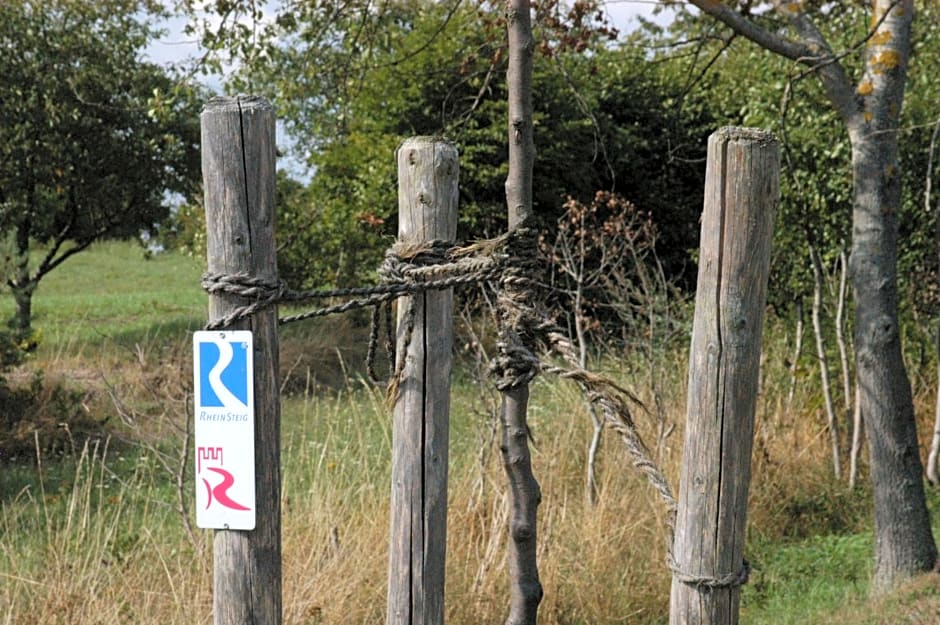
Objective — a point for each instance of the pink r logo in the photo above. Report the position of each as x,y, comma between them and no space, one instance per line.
219,492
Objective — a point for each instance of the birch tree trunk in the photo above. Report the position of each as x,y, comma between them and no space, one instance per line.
858,429
846,369
797,351
831,420
934,454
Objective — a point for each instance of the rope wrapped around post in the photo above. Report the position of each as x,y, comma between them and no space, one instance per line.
406,270
261,292
728,580
525,330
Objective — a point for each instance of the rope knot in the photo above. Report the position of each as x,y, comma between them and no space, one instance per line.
405,260
521,325
406,264
262,293
728,580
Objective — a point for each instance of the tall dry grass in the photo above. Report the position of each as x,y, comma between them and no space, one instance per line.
93,547
105,543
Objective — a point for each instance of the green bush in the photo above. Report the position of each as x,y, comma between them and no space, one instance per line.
185,231
12,350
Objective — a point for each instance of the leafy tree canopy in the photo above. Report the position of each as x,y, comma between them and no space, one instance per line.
94,138
351,82
748,86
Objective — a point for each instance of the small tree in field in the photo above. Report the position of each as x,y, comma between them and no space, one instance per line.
91,143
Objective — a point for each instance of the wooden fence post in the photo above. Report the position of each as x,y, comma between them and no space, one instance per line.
741,195
427,210
238,167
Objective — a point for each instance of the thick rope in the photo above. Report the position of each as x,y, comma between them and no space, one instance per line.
520,323
264,293
374,342
729,580
408,269
525,328
614,400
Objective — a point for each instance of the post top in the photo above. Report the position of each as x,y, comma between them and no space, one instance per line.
424,140
738,133
228,104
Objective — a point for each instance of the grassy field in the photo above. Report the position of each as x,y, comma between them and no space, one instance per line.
102,533
113,292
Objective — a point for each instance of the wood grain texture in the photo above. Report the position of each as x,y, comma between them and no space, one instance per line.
238,164
741,195
427,203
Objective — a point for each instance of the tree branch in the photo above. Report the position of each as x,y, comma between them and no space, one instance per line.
794,50
60,238
810,49
50,261
691,80
48,264
481,93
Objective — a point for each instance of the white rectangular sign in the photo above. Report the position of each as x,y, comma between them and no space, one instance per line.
225,429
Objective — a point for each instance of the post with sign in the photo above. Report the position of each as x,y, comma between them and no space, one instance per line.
237,411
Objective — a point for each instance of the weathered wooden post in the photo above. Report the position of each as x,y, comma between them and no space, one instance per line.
238,167
427,211
741,195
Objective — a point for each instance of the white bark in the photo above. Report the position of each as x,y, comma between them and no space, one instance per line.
831,420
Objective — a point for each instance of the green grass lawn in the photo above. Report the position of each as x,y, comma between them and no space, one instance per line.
111,291
793,583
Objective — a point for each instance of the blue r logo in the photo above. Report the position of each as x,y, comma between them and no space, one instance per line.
223,374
